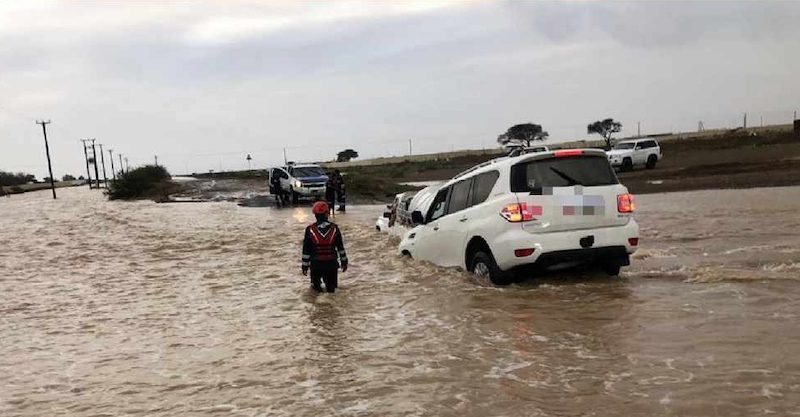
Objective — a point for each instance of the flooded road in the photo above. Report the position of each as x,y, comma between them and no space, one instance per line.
112,308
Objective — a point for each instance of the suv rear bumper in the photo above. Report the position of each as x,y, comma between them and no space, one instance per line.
610,244
610,255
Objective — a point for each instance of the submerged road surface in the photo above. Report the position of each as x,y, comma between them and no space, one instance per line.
112,308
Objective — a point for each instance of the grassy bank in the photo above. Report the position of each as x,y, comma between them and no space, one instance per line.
24,188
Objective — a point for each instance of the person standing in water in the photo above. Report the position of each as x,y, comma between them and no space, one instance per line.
323,250
338,181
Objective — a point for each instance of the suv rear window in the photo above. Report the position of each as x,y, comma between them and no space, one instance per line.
561,172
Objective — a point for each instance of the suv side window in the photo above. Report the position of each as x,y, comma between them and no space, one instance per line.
459,197
439,205
482,186
652,144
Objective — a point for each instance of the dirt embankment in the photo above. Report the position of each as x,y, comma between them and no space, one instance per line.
725,161
736,159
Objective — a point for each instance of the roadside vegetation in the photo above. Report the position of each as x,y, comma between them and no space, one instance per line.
147,182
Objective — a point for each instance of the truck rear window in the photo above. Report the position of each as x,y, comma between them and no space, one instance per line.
587,171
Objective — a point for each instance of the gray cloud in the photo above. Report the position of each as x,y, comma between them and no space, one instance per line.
213,81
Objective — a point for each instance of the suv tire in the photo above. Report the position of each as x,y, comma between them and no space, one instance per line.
627,165
651,162
611,269
483,265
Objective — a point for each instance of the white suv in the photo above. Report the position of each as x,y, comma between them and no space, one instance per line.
540,210
632,153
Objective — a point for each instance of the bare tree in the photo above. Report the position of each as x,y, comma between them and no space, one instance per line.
520,134
605,128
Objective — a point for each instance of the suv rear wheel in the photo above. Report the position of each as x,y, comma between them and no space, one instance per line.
611,269
483,265
651,162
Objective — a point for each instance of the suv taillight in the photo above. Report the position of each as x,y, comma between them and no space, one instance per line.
626,203
519,212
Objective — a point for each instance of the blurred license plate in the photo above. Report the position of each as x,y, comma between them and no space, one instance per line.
583,205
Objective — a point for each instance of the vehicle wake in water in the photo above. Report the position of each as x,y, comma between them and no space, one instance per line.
114,308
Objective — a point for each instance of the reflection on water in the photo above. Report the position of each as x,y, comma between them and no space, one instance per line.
114,308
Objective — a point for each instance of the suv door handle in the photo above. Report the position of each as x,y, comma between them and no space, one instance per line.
463,219
435,228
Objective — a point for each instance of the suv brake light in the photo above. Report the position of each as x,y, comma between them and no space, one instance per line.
520,212
626,203
568,152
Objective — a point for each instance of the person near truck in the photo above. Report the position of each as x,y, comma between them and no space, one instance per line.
338,182
323,250
275,188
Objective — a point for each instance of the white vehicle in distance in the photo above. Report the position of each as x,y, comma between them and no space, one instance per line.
628,154
301,180
521,214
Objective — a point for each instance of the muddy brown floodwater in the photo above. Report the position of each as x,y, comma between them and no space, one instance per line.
112,308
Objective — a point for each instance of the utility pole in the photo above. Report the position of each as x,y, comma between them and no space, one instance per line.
86,155
111,157
745,120
121,167
94,156
409,148
285,160
127,165
47,152
103,161
249,165
156,160
638,129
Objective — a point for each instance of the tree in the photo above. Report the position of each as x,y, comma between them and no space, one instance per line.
9,178
524,133
605,128
346,155
68,178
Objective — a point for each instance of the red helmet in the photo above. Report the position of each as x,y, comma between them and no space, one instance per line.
320,207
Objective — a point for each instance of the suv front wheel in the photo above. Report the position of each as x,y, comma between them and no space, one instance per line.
483,265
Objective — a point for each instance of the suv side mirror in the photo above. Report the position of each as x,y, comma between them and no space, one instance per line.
416,217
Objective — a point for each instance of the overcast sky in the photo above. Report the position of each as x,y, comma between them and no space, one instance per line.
202,84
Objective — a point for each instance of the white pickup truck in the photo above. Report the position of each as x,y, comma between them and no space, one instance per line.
628,154
301,180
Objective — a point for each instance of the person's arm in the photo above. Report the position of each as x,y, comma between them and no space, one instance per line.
308,248
339,242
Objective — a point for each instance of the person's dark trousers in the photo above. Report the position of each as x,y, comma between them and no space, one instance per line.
329,276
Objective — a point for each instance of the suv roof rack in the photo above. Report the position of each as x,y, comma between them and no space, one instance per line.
479,166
